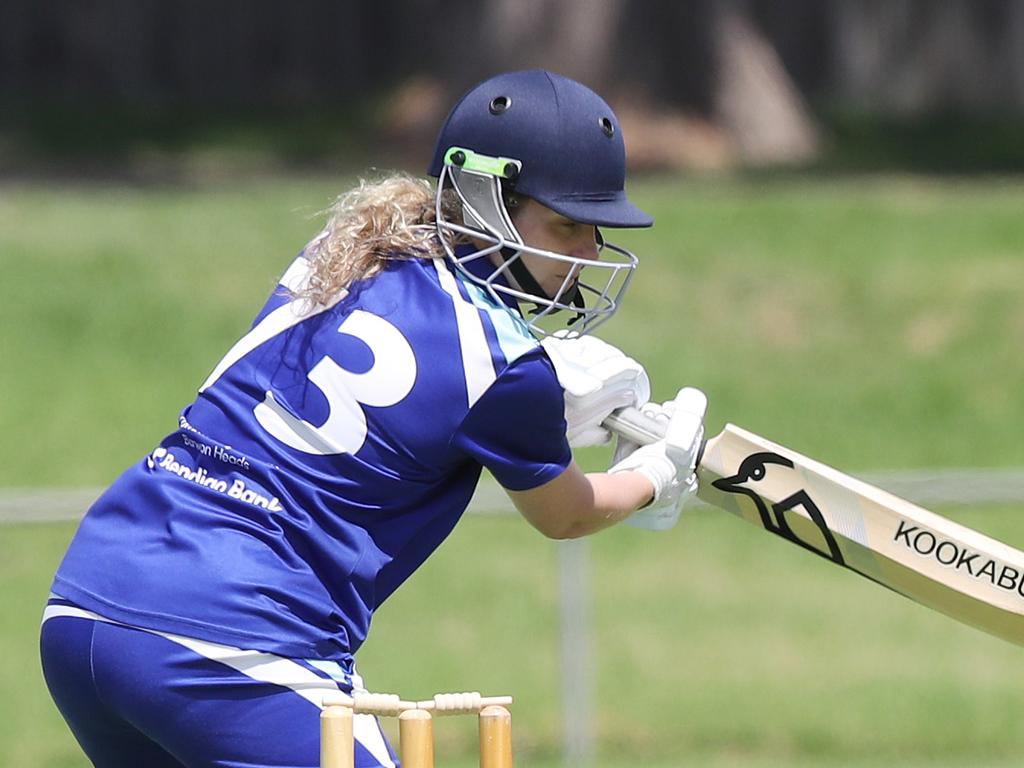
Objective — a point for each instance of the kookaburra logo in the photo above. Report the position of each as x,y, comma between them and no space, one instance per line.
752,471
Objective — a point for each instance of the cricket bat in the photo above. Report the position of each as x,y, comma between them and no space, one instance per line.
946,566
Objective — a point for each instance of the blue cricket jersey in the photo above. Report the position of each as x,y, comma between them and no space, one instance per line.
324,459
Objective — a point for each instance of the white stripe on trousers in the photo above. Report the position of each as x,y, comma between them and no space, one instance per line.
262,667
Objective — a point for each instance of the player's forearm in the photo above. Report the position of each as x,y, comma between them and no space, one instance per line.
611,500
577,504
616,497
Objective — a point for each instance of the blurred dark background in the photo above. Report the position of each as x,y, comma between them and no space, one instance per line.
166,89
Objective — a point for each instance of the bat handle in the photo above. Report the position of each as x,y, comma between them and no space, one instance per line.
633,424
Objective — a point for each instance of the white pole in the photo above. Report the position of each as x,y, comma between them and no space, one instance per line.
577,706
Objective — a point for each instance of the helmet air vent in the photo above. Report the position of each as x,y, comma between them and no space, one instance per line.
607,126
499,104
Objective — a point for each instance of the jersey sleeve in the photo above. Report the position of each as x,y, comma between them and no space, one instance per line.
517,427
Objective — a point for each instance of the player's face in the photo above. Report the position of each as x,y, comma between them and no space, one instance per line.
542,228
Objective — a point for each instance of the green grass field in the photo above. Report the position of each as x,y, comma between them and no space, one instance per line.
872,323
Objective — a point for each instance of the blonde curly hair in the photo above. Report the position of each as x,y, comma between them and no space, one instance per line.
393,217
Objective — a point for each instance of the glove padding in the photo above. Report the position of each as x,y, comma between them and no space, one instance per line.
670,463
597,379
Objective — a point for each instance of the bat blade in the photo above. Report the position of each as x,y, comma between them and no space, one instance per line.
935,561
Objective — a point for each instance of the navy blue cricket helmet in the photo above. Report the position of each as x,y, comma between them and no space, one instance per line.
565,136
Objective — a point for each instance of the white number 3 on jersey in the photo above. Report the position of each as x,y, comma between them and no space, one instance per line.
387,382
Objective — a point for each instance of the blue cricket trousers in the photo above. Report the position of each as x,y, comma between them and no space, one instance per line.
142,699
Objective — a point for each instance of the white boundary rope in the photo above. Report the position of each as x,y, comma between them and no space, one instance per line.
957,487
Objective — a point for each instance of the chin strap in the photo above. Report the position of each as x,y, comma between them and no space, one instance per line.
577,301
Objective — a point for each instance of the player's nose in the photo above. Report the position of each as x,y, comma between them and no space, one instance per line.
586,247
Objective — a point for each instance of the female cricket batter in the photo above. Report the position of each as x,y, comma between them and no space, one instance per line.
223,584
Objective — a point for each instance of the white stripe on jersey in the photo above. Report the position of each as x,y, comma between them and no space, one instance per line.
262,667
476,354
514,338
278,321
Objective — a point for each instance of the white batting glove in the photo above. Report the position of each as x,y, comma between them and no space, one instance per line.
597,379
670,463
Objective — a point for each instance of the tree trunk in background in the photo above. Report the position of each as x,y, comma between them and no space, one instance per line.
756,103
572,37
